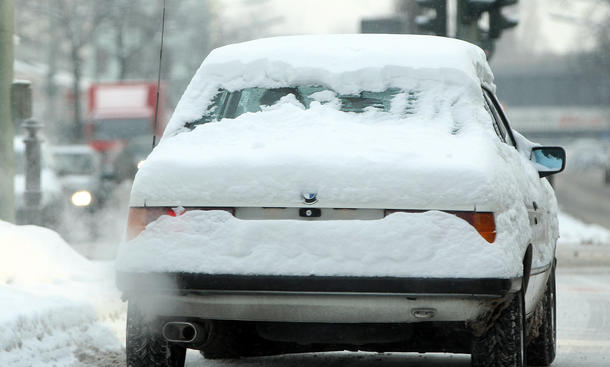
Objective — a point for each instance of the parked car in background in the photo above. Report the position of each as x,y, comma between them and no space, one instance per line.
79,171
51,201
342,192
85,192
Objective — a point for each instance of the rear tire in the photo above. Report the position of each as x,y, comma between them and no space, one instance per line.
503,345
145,345
541,350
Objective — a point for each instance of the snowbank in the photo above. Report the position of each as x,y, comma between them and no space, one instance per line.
431,244
55,306
573,231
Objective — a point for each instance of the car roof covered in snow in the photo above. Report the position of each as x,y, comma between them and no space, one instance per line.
351,52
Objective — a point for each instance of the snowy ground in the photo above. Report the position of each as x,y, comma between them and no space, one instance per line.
59,309
56,307
574,232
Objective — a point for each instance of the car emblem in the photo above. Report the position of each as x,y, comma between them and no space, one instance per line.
310,197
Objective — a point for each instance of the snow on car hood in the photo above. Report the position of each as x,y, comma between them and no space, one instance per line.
368,160
431,244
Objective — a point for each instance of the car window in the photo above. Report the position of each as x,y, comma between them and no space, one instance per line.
233,104
494,121
499,120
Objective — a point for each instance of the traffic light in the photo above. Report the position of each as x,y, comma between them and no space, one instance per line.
470,10
468,20
436,24
487,44
497,21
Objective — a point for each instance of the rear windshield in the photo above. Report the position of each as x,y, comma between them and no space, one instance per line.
232,104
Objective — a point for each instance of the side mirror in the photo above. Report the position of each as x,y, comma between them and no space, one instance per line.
548,160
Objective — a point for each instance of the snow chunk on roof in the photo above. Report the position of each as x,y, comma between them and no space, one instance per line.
351,52
345,63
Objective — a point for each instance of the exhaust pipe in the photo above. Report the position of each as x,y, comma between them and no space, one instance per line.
183,332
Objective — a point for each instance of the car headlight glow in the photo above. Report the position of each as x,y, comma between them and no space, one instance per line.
82,198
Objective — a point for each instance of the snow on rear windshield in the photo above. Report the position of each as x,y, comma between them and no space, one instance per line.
227,104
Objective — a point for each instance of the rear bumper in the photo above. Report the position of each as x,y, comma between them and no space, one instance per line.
316,298
152,282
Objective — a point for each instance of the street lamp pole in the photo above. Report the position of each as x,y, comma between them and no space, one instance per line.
7,165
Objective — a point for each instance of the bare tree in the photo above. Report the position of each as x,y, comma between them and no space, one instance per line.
79,20
410,10
134,25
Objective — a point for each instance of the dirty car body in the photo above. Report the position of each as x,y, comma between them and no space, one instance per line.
340,192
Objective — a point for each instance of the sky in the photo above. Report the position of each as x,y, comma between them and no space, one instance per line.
323,16
555,26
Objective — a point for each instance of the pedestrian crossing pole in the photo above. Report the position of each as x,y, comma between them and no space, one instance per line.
7,167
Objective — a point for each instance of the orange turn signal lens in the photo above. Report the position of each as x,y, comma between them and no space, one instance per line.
483,222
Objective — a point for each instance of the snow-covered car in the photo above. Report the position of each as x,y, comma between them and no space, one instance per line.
342,192
51,203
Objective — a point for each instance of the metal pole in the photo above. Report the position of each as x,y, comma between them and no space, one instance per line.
467,28
22,112
32,193
7,165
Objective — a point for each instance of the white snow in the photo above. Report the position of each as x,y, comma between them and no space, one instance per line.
373,159
56,308
215,242
370,160
442,155
343,63
573,231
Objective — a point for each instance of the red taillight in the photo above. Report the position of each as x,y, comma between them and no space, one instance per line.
140,217
136,221
483,222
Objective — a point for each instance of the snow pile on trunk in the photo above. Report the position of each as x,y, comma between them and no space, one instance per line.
268,158
573,231
56,308
431,244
